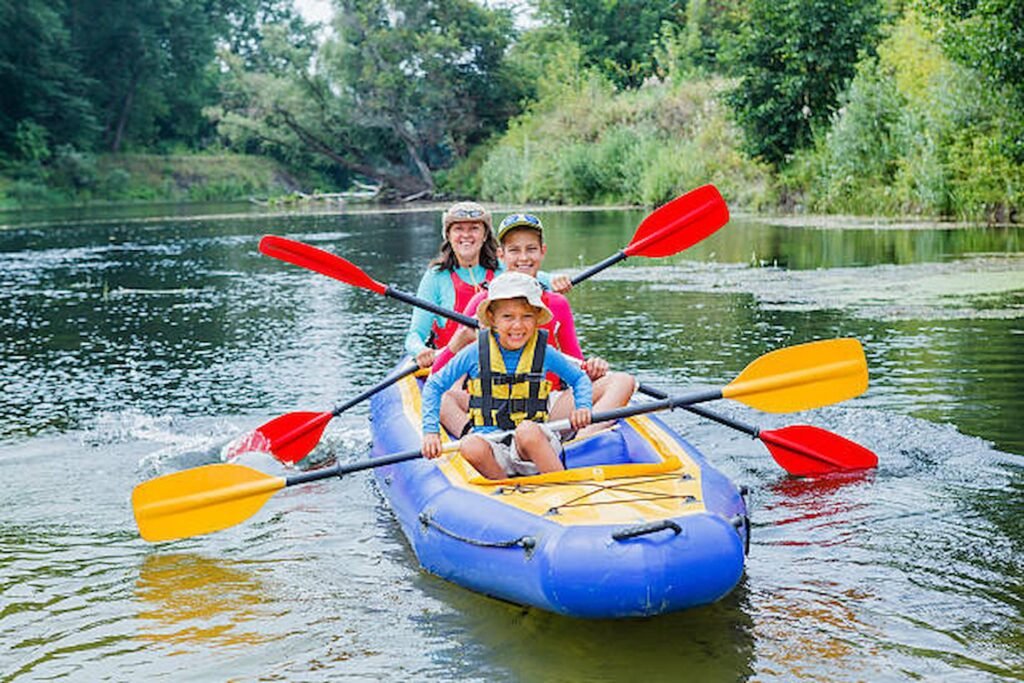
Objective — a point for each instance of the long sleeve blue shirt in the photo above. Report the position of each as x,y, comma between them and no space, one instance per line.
467,362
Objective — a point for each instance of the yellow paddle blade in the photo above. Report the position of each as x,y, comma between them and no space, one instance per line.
200,500
802,377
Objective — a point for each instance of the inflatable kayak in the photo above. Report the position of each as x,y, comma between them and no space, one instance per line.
638,524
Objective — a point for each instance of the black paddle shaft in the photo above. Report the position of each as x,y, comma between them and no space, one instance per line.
341,470
433,308
384,384
753,431
598,267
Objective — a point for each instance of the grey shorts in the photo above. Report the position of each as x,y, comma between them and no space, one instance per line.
510,461
553,397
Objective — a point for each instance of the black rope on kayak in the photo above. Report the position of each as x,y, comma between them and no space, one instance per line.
527,543
642,495
685,499
744,490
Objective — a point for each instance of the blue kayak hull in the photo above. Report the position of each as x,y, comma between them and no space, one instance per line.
611,543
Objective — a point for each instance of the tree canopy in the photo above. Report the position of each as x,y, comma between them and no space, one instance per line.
403,88
111,74
616,36
793,59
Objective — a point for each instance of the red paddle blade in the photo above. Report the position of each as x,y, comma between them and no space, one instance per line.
803,450
323,262
681,223
290,437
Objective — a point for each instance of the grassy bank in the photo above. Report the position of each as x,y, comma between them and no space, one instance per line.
597,146
915,135
75,178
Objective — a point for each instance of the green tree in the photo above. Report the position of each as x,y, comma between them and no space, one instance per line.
617,36
96,74
987,36
793,59
702,45
152,63
44,94
402,89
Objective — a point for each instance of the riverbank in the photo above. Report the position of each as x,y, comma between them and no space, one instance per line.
75,180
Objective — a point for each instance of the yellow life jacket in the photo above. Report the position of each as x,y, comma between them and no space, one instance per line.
502,399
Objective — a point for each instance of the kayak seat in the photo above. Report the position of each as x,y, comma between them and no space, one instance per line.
618,446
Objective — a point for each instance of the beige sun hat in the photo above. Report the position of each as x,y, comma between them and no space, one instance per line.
465,212
514,286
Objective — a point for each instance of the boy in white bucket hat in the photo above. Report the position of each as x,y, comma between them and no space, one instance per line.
507,384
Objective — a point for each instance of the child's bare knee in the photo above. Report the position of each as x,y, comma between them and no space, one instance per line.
470,443
529,432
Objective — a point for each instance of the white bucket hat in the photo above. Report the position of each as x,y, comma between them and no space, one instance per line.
514,286
464,212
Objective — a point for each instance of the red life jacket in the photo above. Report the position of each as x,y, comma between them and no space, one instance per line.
464,291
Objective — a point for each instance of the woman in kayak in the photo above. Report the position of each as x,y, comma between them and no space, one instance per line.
467,259
508,386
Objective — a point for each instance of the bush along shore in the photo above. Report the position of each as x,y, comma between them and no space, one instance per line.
893,149
73,177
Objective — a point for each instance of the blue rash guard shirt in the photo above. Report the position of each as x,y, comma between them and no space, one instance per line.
467,362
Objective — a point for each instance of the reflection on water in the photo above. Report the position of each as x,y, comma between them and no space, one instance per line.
714,643
824,508
131,347
188,603
803,633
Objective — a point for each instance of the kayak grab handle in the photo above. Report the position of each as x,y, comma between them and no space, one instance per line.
644,529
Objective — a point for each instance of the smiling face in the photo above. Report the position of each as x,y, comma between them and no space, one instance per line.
522,251
514,321
467,239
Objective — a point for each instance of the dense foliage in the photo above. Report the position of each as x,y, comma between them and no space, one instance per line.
615,36
866,106
641,147
90,76
916,133
401,89
116,74
793,58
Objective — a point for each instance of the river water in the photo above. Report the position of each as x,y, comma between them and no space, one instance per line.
134,346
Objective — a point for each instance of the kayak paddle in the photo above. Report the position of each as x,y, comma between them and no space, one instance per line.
673,227
801,450
214,497
291,437
668,230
